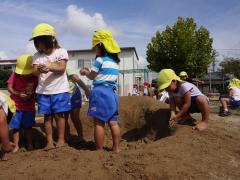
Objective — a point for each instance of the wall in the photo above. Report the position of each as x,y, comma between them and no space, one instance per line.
128,61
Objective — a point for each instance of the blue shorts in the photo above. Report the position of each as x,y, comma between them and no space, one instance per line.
23,119
54,103
76,99
234,103
103,104
194,108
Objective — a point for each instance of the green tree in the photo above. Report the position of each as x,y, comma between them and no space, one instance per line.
4,75
182,47
231,66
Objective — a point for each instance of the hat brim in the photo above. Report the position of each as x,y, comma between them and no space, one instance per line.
23,72
165,85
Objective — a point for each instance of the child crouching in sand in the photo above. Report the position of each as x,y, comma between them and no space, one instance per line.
103,105
233,98
7,109
184,95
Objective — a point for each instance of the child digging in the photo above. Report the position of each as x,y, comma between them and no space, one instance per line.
233,98
186,96
53,89
7,109
22,85
103,105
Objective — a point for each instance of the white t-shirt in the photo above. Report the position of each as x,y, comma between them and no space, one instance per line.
3,104
185,87
51,82
235,93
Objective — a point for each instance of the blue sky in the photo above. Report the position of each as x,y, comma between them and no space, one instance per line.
133,22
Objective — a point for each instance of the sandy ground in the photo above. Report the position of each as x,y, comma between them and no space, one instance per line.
149,150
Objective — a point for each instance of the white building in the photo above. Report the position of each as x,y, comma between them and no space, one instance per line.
129,74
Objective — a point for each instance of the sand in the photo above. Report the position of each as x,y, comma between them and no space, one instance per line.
149,149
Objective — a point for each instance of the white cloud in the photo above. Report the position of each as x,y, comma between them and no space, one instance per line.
3,55
77,21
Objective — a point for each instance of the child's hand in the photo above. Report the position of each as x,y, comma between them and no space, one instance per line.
23,96
84,71
43,68
173,119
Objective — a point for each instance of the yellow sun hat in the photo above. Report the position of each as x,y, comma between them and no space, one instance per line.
183,73
165,78
105,36
24,65
10,103
234,83
43,29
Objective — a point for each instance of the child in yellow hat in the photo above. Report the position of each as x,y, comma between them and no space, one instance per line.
21,86
53,96
103,105
76,102
184,95
7,109
233,98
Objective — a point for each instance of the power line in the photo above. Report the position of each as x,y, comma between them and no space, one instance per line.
227,49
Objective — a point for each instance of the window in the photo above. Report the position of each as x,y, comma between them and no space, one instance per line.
84,63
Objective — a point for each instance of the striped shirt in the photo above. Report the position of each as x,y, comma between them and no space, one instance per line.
107,70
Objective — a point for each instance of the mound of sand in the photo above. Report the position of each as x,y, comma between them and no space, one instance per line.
140,117
145,154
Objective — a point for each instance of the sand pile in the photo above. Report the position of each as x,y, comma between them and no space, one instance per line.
140,117
185,154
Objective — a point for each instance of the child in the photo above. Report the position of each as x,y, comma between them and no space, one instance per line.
7,109
233,98
103,106
186,96
49,65
21,86
76,101
184,76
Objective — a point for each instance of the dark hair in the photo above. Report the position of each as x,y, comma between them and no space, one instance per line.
49,42
105,53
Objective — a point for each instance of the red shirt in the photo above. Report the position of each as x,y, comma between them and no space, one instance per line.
23,84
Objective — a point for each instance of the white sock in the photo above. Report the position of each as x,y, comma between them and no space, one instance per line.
226,110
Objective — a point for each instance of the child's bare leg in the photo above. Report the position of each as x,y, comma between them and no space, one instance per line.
6,145
202,104
16,139
179,104
77,122
48,131
115,130
225,102
28,133
60,119
99,134
67,127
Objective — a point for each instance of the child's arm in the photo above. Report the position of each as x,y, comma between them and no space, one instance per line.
76,79
22,95
186,105
58,67
90,74
230,93
172,105
39,68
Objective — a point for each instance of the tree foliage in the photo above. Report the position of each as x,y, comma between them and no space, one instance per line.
231,66
182,47
4,75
